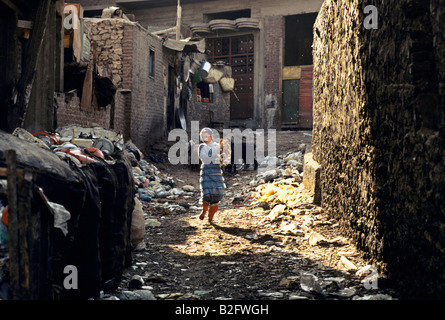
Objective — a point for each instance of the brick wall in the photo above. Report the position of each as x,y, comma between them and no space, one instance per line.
121,49
379,120
69,112
122,113
127,57
107,51
147,92
268,44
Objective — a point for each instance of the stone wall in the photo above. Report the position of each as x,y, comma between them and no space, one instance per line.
379,133
106,47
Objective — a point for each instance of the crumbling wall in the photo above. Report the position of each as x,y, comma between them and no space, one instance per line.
133,100
106,47
379,134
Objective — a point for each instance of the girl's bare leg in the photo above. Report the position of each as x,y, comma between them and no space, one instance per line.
212,212
205,208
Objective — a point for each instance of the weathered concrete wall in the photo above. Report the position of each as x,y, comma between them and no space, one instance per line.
379,133
273,63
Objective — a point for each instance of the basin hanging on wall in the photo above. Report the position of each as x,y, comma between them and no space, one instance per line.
204,70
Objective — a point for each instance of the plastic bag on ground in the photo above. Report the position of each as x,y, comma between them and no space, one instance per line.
137,224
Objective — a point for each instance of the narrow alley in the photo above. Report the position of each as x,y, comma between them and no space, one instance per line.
259,246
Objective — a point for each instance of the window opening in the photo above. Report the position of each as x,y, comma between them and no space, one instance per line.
229,15
151,64
204,92
298,39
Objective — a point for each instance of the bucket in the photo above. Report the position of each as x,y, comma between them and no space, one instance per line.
204,70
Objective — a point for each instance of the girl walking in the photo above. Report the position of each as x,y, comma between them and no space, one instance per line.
211,178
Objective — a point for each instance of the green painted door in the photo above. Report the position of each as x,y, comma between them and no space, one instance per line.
291,94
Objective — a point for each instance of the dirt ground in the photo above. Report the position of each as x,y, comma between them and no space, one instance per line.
244,255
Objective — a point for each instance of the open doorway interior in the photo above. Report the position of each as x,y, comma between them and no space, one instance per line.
297,71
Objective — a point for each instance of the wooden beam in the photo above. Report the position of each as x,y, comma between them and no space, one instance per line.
4,172
23,89
164,31
22,231
178,21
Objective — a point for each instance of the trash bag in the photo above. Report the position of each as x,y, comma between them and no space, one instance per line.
123,209
116,187
84,250
99,198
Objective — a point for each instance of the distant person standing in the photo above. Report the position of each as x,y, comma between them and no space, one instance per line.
211,178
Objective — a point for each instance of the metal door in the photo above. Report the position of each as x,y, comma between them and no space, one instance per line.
291,95
238,52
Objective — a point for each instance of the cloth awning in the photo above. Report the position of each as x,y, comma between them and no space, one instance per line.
185,45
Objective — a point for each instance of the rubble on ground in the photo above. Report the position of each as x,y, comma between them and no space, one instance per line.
273,218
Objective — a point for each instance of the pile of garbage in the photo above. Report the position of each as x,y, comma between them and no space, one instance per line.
288,166
152,183
86,145
279,191
78,145
85,177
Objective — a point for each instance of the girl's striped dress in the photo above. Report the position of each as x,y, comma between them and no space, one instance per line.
211,177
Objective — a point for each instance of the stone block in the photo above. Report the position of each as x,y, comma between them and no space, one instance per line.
311,177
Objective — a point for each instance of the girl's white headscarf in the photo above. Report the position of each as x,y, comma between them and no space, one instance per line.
207,131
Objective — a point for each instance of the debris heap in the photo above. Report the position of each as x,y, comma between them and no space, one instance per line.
82,191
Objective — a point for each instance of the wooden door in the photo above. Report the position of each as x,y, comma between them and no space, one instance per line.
296,107
238,52
305,98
